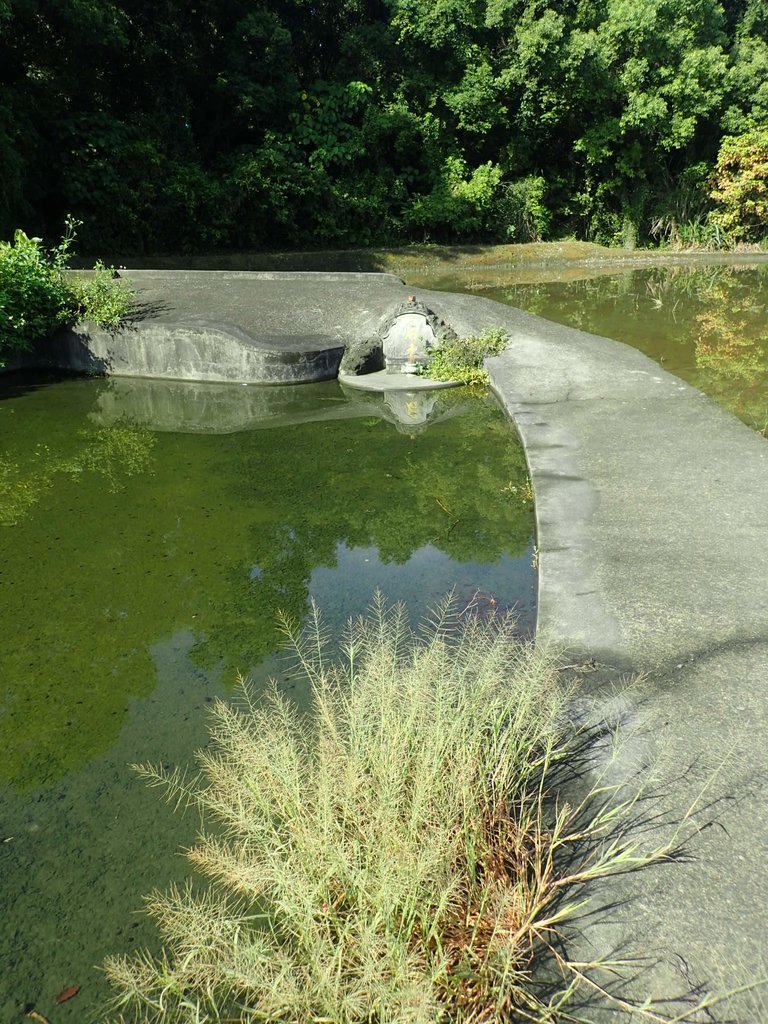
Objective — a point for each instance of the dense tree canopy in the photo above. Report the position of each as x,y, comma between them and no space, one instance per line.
196,124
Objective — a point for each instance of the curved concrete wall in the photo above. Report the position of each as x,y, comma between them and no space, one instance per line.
201,351
256,328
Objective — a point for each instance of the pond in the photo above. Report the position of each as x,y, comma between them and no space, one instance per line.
706,323
150,531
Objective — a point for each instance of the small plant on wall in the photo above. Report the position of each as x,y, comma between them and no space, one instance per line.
462,358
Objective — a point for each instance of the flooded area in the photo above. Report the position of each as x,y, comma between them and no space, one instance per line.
150,532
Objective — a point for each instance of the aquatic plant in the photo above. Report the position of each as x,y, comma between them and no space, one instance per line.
399,854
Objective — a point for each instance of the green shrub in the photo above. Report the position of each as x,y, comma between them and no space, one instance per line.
103,298
35,298
38,295
740,186
396,855
462,358
522,208
460,204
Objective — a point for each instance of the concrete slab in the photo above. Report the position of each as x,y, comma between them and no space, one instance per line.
247,327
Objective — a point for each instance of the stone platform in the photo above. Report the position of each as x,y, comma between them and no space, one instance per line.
246,327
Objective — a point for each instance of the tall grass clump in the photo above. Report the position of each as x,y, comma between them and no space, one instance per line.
397,854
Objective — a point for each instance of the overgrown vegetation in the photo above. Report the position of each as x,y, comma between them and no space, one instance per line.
399,854
102,297
34,297
462,358
37,295
256,124
741,186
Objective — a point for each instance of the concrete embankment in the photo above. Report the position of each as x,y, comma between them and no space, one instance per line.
652,510
251,328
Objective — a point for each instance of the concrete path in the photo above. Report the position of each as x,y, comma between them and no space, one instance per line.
652,510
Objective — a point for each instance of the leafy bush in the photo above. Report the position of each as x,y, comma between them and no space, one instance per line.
37,295
740,186
398,854
460,203
35,298
462,358
102,298
523,209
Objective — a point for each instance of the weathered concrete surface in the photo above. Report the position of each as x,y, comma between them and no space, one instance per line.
201,350
227,326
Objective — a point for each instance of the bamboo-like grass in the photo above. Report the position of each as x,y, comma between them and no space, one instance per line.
399,854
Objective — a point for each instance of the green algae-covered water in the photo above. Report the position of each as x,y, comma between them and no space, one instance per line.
149,533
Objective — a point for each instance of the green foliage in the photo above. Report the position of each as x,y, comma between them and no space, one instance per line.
396,855
35,298
102,297
523,209
460,202
325,127
345,123
462,358
740,186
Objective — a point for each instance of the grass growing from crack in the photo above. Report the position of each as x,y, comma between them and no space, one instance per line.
397,855
463,358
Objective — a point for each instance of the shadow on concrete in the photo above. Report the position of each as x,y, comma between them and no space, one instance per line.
141,311
373,261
